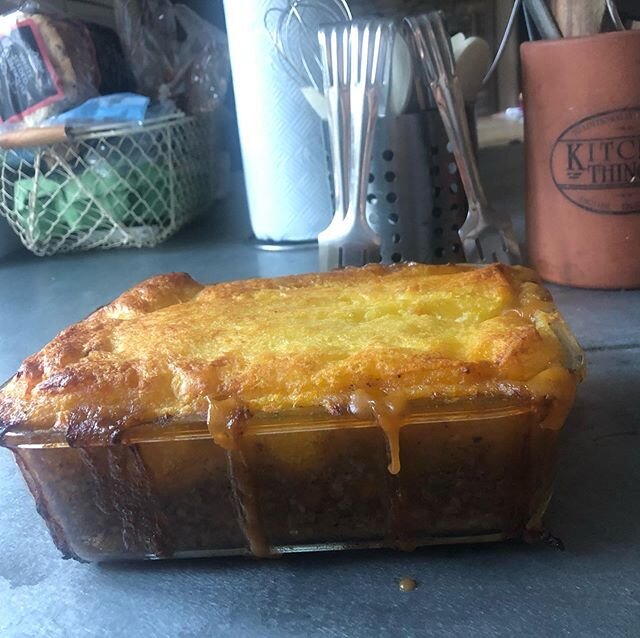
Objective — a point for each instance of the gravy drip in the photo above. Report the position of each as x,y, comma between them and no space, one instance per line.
227,421
388,411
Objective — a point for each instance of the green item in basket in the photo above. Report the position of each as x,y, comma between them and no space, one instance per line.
152,201
96,199
44,219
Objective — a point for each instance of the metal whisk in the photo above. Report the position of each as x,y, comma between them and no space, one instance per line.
294,31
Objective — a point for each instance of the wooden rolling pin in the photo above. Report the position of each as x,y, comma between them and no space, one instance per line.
30,137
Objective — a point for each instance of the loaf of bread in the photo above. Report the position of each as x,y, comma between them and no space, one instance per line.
47,66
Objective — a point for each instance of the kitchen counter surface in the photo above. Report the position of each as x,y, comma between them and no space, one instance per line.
590,589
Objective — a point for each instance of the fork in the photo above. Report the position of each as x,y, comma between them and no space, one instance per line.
356,67
487,236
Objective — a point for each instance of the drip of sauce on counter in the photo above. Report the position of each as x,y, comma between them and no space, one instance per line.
407,584
388,411
227,420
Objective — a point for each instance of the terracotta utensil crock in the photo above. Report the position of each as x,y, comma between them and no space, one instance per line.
582,139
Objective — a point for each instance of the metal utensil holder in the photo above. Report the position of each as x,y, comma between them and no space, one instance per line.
416,201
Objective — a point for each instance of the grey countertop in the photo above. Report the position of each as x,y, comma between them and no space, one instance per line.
591,589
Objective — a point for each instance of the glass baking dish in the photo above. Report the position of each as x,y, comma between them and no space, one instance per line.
363,469
469,471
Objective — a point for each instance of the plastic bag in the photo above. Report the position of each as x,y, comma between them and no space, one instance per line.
174,53
205,56
148,33
115,73
47,65
117,107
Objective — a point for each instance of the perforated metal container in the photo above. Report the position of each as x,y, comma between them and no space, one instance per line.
416,201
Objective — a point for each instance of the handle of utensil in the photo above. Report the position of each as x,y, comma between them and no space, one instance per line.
612,8
543,19
434,49
532,34
333,40
30,137
365,107
576,19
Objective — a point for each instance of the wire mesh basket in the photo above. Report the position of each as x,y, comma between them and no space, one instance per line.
109,186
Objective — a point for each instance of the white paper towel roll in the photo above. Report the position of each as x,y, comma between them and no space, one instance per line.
283,153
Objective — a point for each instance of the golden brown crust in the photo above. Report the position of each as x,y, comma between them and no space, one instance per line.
168,346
